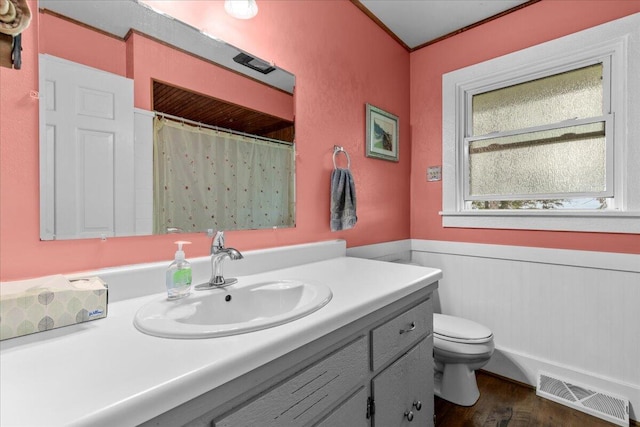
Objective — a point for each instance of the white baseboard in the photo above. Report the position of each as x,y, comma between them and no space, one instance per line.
524,368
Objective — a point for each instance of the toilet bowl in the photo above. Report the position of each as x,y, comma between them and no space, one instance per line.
460,347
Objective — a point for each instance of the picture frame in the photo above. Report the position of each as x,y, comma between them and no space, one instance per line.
382,130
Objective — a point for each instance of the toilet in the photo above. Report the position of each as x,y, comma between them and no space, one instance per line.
460,347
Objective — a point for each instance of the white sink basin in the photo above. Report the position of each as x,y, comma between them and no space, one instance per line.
232,310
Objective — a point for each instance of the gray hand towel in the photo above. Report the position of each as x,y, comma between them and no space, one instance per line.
343,200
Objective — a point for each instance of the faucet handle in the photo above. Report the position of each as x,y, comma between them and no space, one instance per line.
218,241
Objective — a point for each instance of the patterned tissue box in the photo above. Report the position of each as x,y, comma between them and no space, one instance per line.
37,305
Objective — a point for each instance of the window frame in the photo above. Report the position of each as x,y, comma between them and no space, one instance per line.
608,43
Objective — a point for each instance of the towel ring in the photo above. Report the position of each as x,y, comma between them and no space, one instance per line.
337,150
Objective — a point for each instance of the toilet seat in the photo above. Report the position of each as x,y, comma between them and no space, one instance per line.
459,330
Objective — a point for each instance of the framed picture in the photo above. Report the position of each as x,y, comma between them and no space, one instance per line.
382,134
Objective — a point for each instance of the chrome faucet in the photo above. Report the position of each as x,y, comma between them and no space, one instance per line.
218,254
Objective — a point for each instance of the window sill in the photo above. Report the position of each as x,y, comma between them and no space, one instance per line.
585,221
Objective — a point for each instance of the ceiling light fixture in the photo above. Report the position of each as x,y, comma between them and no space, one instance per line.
241,9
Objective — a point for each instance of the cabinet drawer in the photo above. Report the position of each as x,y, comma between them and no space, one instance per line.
399,333
306,395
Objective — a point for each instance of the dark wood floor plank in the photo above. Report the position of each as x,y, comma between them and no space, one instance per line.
500,417
504,403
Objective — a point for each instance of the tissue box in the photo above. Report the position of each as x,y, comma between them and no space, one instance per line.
37,305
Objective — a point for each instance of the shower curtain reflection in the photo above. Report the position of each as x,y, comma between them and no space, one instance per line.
209,179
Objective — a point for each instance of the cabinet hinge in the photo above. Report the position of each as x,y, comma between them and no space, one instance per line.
371,407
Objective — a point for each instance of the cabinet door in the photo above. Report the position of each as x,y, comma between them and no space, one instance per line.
351,413
298,400
403,393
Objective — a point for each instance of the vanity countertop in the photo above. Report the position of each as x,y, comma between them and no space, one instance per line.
107,373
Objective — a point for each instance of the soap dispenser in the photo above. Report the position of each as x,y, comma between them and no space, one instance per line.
179,275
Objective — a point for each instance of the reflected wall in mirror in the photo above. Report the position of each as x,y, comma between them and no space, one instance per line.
106,70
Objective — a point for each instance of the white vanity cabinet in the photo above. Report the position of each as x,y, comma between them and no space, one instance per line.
375,372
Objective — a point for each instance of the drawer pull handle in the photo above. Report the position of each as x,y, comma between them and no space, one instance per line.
409,415
409,329
417,404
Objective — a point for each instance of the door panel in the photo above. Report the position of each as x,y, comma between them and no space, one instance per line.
86,151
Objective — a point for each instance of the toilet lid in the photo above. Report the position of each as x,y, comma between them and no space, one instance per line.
457,329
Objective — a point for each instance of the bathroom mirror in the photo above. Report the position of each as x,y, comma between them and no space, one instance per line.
171,67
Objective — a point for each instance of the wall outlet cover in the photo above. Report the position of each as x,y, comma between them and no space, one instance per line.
434,173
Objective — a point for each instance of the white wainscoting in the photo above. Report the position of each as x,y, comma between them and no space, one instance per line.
572,313
575,314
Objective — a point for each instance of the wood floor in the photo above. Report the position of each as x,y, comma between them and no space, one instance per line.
504,403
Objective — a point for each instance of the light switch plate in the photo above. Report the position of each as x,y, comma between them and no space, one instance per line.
434,173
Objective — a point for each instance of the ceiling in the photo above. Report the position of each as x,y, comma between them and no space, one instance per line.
415,23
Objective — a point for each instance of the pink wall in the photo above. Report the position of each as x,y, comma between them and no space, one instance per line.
532,25
341,60
82,45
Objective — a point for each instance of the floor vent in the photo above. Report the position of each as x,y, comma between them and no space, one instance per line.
587,399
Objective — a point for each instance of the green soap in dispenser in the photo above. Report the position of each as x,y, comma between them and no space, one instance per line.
179,275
